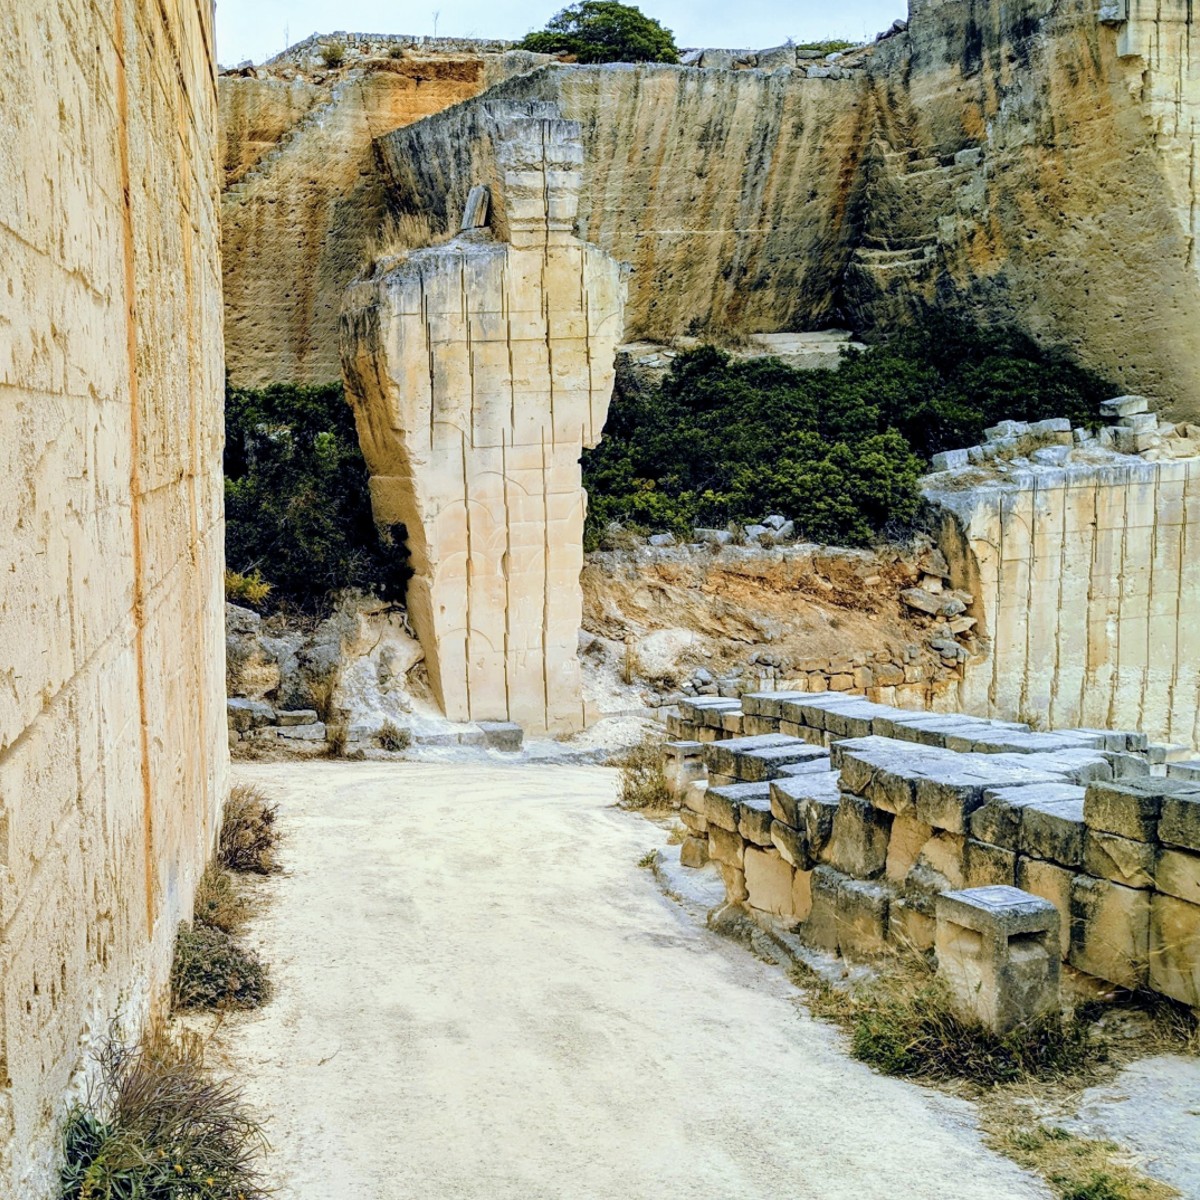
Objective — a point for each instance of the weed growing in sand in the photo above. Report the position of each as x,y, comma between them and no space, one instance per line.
392,738
219,904
643,781
648,860
158,1126
213,970
249,837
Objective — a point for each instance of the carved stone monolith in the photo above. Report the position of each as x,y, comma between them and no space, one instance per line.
479,369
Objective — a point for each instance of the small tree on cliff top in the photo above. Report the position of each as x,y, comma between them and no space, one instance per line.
602,31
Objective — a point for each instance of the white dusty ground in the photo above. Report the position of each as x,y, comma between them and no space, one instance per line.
480,994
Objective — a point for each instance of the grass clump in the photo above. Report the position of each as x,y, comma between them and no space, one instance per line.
249,838
218,903
1078,1168
392,738
643,781
905,1024
158,1126
333,54
213,970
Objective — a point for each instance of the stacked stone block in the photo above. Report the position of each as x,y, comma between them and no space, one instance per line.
850,819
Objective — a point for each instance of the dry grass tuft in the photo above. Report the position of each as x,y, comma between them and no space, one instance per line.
249,838
158,1126
219,904
1078,1168
643,782
392,738
213,970
904,1024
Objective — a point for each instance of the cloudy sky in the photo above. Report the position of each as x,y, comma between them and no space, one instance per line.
256,29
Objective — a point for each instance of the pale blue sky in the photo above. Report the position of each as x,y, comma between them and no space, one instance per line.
256,29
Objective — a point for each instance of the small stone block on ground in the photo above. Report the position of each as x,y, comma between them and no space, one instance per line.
693,852
506,736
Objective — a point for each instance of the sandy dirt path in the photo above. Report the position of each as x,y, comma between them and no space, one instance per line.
481,995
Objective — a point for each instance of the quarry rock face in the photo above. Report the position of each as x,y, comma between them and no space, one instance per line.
113,764
478,370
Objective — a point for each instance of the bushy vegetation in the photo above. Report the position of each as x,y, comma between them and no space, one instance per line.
249,837
297,507
839,451
219,902
251,589
333,54
158,1126
602,31
643,781
212,969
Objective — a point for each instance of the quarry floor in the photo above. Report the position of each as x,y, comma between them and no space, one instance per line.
481,994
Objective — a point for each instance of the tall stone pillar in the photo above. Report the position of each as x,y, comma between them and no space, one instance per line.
479,369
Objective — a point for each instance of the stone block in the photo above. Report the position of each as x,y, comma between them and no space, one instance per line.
801,894
940,865
792,845
1177,874
755,820
1127,808
1110,931
1175,949
1053,830
244,715
998,820
997,952
506,736
693,796
1052,883
862,918
1124,406
909,928
758,766
907,838
1179,823
821,928
734,879
722,805
683,765
985,865
693,852
860,837
721,758
303,733
725,847
807,803
695,823
1124,861
768,881
298,716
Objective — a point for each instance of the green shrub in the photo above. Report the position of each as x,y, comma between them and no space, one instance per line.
297,505
249,837
333,54
212,969
840,451
158,1126
250,589
602,31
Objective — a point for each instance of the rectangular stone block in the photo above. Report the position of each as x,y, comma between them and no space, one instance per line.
1110,931
722,805
792,845
767,704
791,795
755,820
1178,874
693,852
722,757
1175,949
1054,830
1124,861
860,837
1179,823
906,840
801,894
694,822
821,928
1126,808
768,882
725,847
998,820
1052,883
862,918
985,865
734,879
910,929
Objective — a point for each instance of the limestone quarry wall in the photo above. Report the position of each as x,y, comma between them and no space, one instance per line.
304,202
730,193
1087,583
1033,164
112,742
